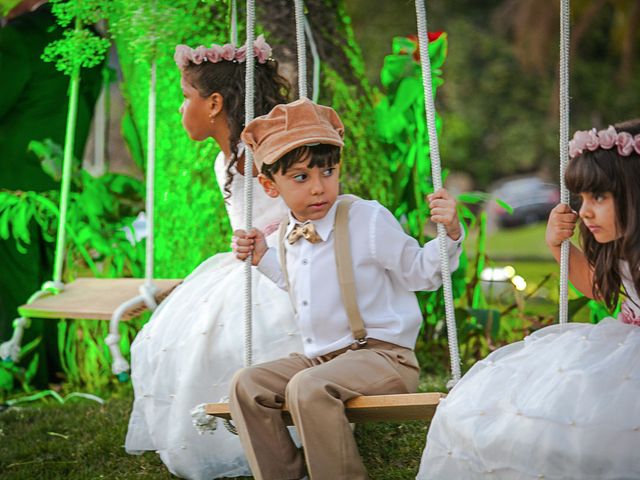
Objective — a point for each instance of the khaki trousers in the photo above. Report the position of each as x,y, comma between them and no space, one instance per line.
315,390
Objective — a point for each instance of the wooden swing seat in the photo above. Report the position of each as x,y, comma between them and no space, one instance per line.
370,408
95,298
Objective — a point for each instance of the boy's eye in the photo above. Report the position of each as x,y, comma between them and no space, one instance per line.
328,172
300,177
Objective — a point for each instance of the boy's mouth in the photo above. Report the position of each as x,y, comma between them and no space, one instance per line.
317,206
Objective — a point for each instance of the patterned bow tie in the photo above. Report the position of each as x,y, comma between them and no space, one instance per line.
306,230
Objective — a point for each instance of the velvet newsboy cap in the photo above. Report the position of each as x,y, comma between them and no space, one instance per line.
289,126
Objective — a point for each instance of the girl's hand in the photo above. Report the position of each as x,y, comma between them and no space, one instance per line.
560,226
443,210
243,244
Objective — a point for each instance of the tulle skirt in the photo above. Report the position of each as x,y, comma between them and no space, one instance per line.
186,355
562,404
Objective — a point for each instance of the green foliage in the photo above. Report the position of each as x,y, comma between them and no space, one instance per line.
190,217
101,209
401,124
80,46
11,373
85,357
142,26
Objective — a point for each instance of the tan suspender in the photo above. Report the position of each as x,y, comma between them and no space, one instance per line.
344,265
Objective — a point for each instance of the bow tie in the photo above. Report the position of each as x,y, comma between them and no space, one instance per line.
306,230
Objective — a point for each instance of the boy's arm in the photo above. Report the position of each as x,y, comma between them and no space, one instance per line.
254,243
270,266
415,267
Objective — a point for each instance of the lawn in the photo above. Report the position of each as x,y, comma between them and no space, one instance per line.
84,440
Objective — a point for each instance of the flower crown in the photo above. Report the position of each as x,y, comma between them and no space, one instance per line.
607,139
217,53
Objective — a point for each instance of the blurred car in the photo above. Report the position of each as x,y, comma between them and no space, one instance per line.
530,198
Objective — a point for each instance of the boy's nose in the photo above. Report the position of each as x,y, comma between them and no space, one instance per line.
316,186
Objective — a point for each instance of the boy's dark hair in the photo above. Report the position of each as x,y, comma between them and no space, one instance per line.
228,79
601,171
322,156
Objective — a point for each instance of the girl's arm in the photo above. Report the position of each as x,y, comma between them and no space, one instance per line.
560,227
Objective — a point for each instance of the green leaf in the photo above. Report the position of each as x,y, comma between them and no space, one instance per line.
504,205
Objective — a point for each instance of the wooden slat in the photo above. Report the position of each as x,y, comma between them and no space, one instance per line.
94,298
371,408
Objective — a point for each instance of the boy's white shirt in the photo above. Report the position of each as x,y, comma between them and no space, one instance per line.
388,267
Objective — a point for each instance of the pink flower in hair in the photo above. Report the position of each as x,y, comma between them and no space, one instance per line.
608,137
592,143
579,142
182,56
198,54
228,52
241,54
636,144
214,53
625,144
261,49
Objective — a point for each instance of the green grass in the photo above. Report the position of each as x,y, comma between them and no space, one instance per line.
84,440
519,243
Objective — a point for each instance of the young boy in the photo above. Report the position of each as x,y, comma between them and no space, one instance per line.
297,150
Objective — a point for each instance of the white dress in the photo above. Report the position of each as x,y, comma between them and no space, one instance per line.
564,403
194,342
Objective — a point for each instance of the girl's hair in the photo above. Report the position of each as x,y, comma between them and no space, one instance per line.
228,79
322,156
597,172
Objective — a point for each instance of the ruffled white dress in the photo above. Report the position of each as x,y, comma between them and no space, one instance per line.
564,403
194,342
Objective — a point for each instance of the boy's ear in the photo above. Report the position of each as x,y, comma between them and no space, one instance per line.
216,103
269,186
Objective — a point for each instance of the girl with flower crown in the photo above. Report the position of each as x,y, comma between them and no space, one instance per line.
565,402
194,342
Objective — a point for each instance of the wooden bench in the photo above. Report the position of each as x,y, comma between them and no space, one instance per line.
371,408
95,298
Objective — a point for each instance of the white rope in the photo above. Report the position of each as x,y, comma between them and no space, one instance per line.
234,23
119,364
150,176
437,184
10,350
302,49
564,151
316,60
248,176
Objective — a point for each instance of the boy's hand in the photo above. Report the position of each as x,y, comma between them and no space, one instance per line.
562,222
246,243
443,210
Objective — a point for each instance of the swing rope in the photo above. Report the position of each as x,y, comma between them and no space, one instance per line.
147,291
248,177
233,34
316,60
302,49
564,151
434,154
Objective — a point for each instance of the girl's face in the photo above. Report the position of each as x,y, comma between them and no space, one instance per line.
598,213
195,112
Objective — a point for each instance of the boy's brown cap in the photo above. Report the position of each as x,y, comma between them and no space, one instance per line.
290,126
